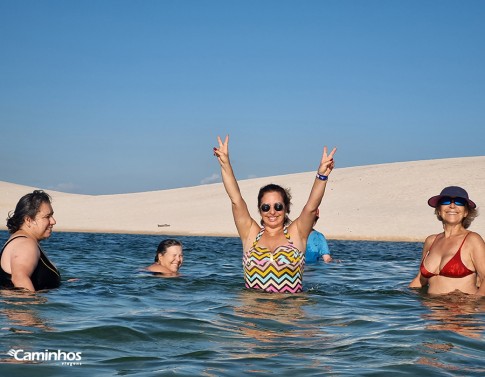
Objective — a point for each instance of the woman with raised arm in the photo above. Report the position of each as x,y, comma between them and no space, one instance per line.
453,260
273,254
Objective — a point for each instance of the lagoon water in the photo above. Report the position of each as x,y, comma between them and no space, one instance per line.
355,318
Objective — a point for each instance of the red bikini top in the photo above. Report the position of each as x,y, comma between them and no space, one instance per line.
453,269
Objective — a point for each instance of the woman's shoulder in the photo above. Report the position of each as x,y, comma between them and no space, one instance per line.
474,237
155,268
22,241
430,239
253,233
293,226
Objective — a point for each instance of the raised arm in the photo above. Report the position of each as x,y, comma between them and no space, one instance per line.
240,211
304,222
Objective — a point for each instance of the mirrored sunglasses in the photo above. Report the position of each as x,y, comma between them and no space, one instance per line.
447,201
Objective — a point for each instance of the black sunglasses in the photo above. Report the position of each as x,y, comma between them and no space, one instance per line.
277,207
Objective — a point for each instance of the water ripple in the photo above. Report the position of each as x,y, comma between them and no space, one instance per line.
355,318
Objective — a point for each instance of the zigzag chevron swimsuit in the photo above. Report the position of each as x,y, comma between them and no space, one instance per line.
278,271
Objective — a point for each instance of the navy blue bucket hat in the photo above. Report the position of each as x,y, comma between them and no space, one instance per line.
451,192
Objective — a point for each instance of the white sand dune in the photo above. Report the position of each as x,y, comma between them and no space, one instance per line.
375,202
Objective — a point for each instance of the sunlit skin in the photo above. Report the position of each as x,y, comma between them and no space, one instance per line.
20,258
41,227
170,262
273,220
453,214
444,248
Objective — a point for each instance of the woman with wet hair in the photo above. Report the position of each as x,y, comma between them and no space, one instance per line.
168,258
23,264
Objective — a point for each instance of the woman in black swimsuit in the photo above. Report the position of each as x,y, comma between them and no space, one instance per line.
23,264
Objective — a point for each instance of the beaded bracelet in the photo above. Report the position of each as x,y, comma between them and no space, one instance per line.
322,177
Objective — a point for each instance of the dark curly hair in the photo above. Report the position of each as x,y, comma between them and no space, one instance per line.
285,194
28,206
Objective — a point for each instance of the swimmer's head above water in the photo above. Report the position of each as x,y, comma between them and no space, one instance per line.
169,257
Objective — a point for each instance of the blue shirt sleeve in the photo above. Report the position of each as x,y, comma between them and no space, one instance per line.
316,246
322,244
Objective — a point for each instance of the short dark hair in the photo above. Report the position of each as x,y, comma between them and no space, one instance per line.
28,206
164,245
285,194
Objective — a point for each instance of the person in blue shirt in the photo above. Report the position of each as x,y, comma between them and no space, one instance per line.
316,246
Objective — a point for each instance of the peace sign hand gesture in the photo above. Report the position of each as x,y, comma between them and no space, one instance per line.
326,164
222,153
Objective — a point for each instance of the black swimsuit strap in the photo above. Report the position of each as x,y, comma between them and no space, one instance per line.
10,240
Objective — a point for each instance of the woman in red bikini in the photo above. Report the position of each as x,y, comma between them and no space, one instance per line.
454,259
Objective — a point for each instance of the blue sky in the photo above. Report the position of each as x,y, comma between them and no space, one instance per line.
106,97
